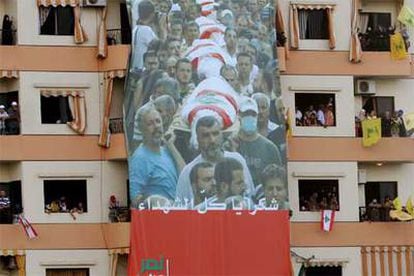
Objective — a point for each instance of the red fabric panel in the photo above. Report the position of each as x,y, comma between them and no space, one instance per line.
215,243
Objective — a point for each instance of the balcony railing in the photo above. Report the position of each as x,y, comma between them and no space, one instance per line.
116,125
118,36
374,214
8,37
378,41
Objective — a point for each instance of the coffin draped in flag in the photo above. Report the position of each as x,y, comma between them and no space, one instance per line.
207,57
327,220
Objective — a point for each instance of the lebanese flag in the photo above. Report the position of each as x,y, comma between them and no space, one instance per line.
327,220
27,227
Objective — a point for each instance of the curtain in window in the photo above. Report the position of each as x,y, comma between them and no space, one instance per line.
114,254
297,32
43,14
303,22
9,74
77,106
21,264
79,33
355,52
280,27
363,23
104,138
102,41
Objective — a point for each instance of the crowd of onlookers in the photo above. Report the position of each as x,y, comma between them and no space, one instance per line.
378,211
323,116
320,201
9,119
392,123
61,206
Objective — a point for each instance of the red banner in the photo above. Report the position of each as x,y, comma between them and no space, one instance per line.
215,243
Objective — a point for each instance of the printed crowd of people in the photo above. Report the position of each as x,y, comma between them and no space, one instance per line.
9,119
231,145
324,115
392,123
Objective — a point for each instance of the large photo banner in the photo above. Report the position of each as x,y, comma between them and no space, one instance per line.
204,121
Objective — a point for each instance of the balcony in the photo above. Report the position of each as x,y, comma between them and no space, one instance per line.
337,63
350,149
116,235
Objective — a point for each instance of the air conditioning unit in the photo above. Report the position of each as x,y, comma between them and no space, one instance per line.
94,3
365,87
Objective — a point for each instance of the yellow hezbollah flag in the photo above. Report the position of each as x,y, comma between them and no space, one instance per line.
409,122
406,16
398,213
398,50
289,131
409,206
371,132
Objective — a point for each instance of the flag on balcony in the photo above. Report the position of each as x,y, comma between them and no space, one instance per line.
409,206
406,16
398,50
398,213
327,220
27,227
409,123
371,132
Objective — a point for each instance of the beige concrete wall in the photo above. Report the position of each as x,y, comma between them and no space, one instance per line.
33,174
345,172
401,173
350,254
29,93
113,17
10,171
29,27
342,18
342,87
103,180
114,182
96,260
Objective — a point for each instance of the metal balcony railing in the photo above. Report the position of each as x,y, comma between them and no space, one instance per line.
116,125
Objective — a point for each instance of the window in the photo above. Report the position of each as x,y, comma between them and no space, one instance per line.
375,29
10,125
318,194
323,271
67,271
314,109
56,20
313,24
11,201
55,110
62,196
380,105
378,200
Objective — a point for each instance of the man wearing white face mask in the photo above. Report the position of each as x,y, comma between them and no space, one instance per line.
256,149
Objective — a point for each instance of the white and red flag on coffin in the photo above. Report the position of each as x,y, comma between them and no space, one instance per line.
327,220
27,227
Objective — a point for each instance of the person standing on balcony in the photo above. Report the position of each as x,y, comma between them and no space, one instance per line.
7,32
5,215
3,116
13,122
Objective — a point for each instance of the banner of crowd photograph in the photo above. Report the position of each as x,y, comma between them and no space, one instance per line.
204,119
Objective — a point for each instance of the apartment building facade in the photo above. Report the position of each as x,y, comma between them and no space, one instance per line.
47,68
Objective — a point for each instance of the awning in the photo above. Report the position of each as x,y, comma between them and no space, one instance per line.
9,74
12,252
55,3
323,262
124,250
